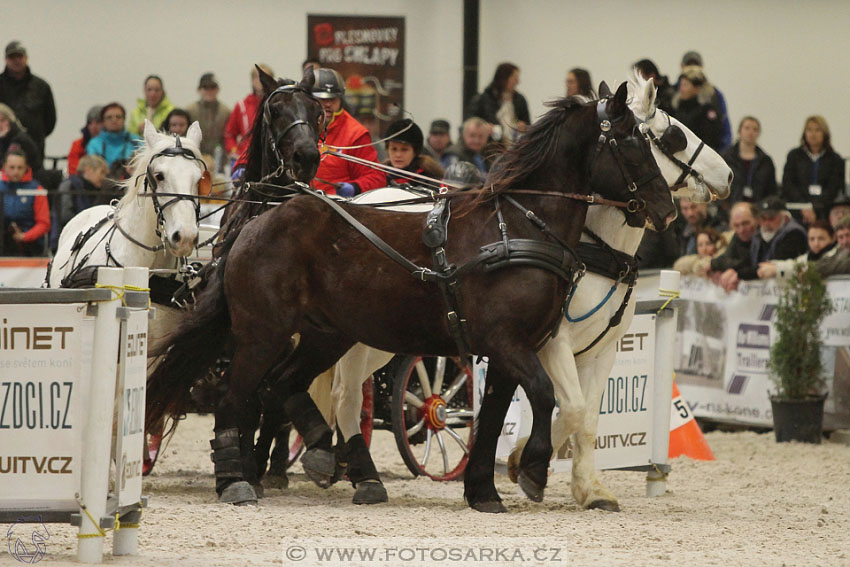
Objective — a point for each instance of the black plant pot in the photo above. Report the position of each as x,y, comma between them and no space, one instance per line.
798,420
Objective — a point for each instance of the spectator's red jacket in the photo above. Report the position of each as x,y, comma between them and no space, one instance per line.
344,130
237,132
78,150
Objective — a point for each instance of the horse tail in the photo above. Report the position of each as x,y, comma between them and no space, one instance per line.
188,354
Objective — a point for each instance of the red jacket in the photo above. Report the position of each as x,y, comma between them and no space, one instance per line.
35,225
344,130
237,132
78,150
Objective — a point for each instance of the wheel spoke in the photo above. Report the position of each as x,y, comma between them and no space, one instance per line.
443,451
427,448
439,373
457,438
424,381
459,381
416,428
411,399
459,414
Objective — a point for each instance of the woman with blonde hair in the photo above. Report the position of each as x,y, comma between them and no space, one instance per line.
14,135
814,172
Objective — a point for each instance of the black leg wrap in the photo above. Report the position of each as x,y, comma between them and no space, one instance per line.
226,457
279,461
309,422
341,455
360,464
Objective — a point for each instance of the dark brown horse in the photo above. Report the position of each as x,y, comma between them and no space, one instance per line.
300,286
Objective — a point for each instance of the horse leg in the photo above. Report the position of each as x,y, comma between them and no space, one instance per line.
586,488
479,489
350,373
558,361
275,429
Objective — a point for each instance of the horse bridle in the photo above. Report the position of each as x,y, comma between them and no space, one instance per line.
607,140
672,141
152,184
267,121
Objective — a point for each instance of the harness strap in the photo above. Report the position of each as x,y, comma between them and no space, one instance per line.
613,322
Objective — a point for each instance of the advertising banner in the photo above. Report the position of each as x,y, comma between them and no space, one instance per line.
368,51
45,359
132,378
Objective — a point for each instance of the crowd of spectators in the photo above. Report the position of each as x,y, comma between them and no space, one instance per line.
756,233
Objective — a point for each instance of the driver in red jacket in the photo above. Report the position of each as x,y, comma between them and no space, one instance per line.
336,175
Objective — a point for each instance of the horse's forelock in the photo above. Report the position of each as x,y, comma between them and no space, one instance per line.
142,158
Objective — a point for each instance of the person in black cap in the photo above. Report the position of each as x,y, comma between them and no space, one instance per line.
693,58
405,148
210,113
439,139
665,91
29,96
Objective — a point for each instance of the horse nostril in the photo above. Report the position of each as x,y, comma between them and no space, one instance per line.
175,238
731,177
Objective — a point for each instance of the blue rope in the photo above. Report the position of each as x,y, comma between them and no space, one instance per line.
592,311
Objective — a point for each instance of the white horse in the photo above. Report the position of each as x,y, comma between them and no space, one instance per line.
578,381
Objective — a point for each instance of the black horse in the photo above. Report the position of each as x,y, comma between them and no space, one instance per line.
288,320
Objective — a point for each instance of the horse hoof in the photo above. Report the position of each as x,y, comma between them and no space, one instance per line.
513,466
607,505
280,481
532,490
489,507
259,490
239,494
319,466
370,492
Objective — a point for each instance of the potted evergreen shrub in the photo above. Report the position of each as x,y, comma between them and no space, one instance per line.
795,357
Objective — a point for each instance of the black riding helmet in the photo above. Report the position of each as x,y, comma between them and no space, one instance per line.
405,130
329,84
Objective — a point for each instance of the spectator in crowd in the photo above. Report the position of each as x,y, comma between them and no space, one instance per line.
405,147
696,218
502,105
155,106
177,122
336,175
26,218
779,237
114,144
665,91
755,175
693,58
78,147
13,136
840,209
237,131
726,267
81,190
462,175
579,83
842,233
439,139
693,105
838,263
210,113
29,97
710,244
821,240
470,147
814,172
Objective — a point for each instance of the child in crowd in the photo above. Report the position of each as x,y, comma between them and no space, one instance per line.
405,147
710,243
26,214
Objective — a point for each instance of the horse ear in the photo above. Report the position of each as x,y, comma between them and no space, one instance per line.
150,133
617,106
604,90
268,82
194,133
648,97
309,78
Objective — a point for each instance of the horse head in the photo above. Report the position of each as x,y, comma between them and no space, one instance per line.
173,171
682,156
622,167
291,120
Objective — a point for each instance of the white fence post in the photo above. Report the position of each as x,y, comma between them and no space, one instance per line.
97,436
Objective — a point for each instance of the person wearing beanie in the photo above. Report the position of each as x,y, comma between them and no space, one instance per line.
694,105
78,147
693,58
406,149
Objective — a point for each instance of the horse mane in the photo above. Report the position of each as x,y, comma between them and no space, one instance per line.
537,146
254,162
140,161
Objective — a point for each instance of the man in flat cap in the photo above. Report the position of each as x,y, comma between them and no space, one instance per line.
28,95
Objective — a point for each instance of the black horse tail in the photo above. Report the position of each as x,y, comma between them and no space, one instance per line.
188,354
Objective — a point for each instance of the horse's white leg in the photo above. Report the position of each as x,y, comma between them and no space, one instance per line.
558,361
347,393
586,488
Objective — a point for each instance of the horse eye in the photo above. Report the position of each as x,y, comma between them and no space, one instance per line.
159,176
